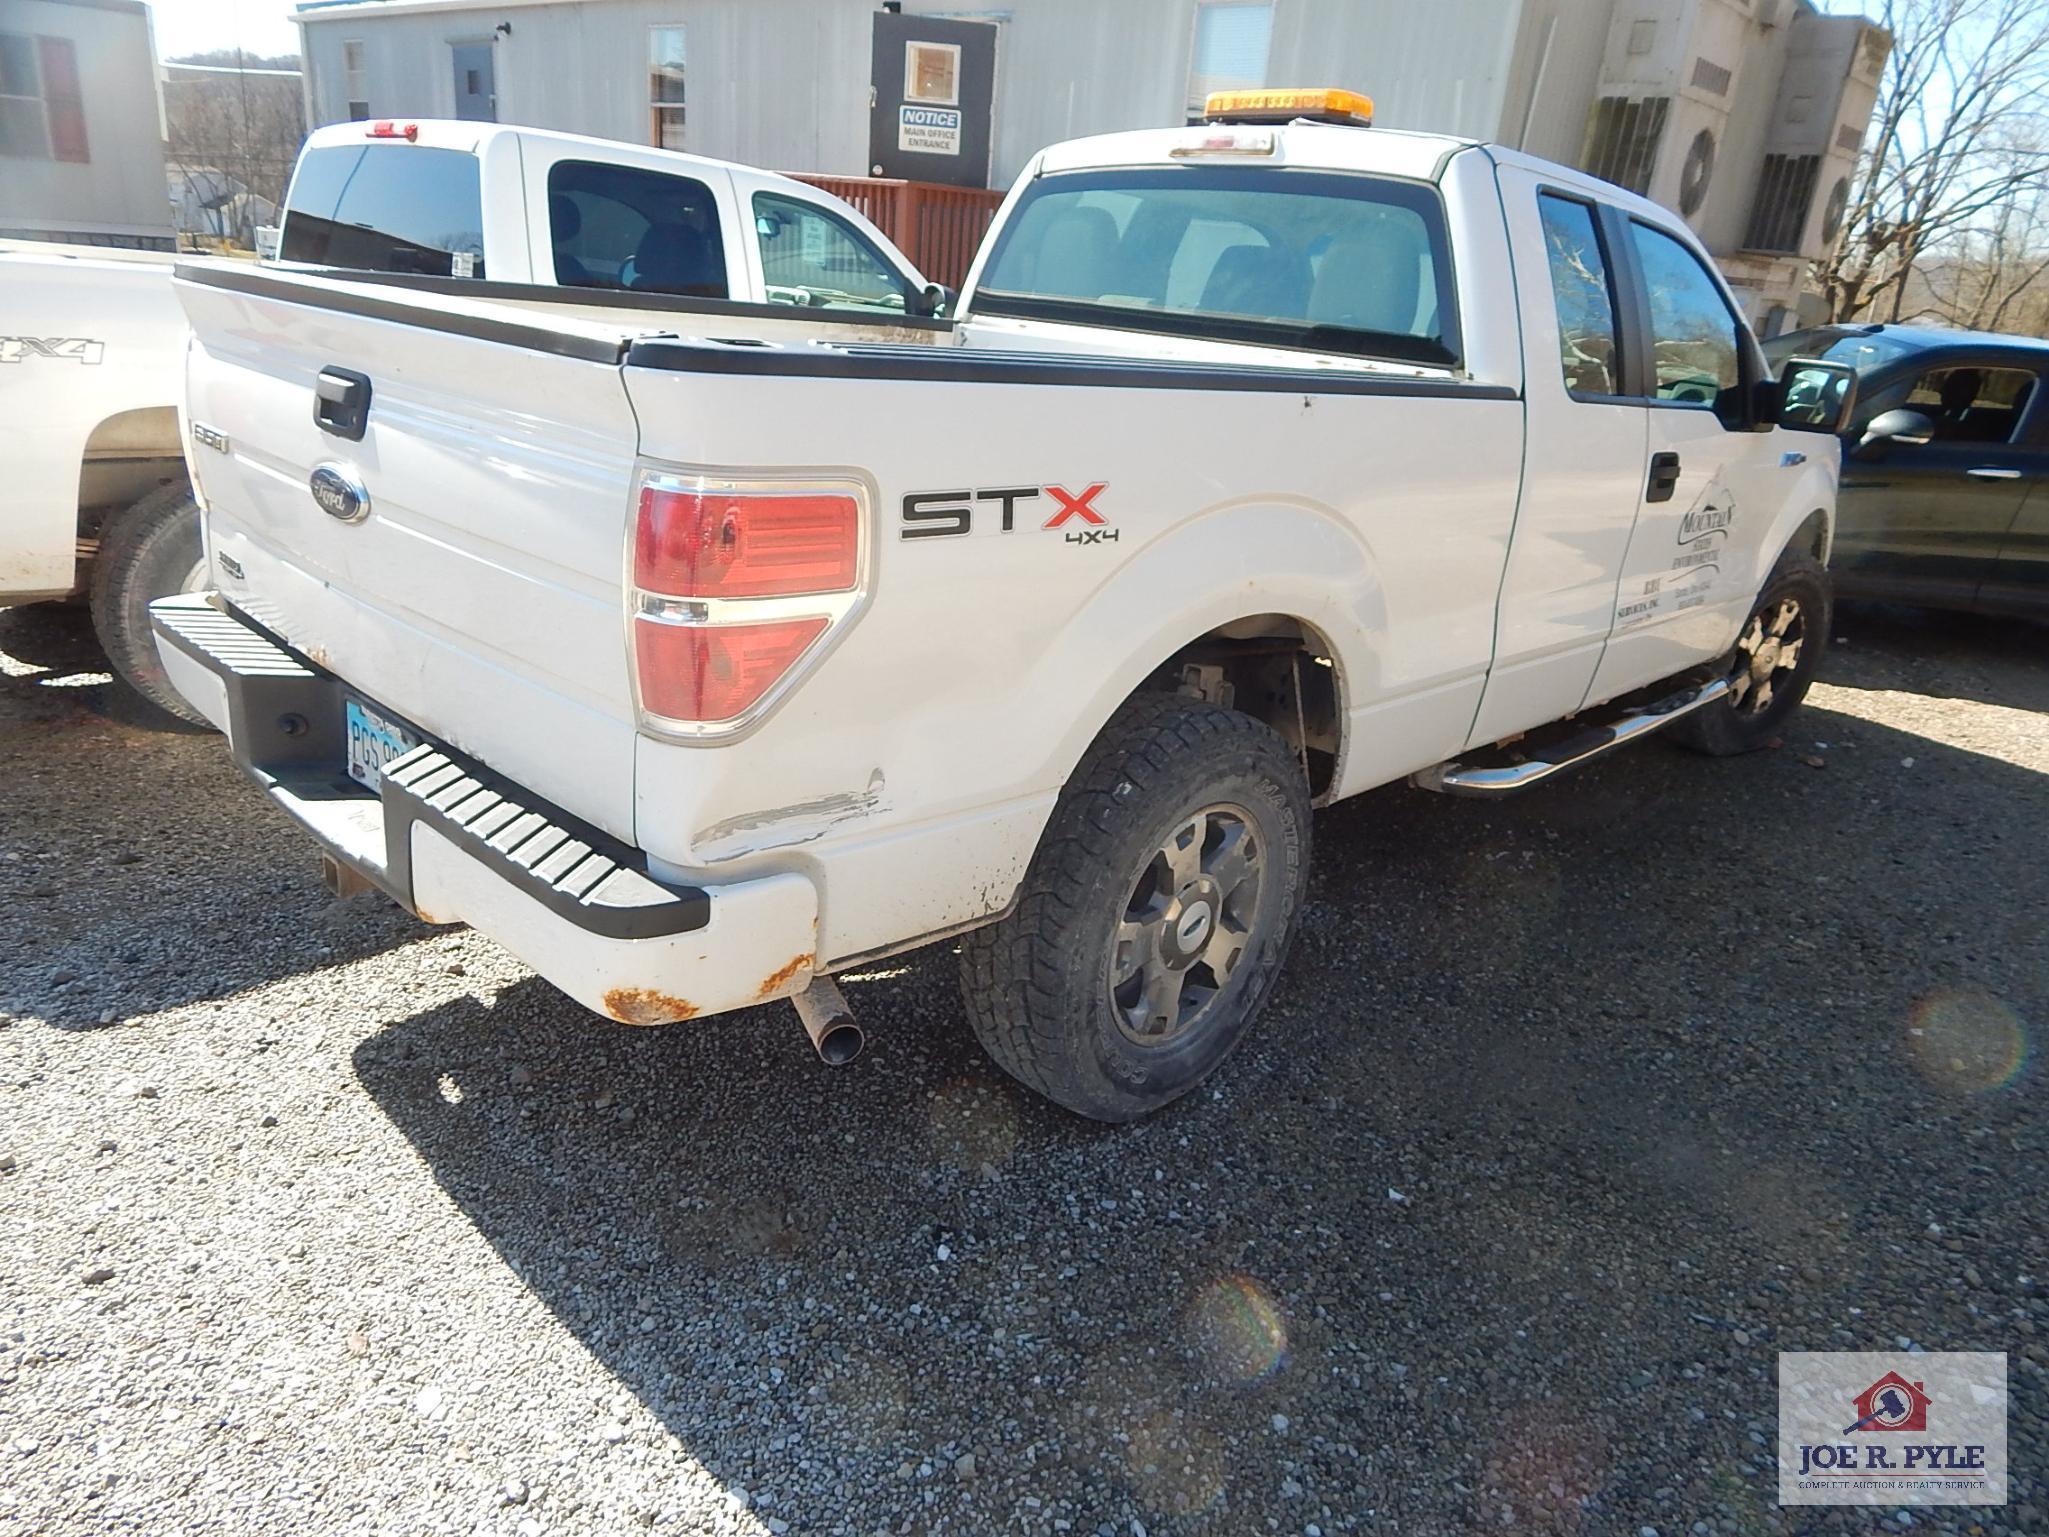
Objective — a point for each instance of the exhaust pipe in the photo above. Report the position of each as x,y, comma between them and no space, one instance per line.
829,1022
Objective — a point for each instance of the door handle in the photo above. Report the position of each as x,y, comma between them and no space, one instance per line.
1664,478
341,403
1993,472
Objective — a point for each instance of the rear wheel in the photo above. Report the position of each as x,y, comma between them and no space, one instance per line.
1155,916
1777,654
150,549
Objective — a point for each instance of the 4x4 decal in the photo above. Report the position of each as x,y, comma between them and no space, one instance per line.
61,349
947,514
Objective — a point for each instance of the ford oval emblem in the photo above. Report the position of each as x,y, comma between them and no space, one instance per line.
339,495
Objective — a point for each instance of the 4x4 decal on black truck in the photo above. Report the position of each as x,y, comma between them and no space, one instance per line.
943,514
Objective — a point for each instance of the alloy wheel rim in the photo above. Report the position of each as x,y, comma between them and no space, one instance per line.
1767,655
1187,927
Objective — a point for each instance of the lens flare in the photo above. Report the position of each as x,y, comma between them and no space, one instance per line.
1236,1332
1544,1467
1966,1041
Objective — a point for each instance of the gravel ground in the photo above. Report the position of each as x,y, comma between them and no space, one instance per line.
1570,1115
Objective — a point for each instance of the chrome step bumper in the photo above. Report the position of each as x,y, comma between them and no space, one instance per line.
1491,780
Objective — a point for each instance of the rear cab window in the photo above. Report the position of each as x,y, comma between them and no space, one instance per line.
1332,262
387,208
621,226
1585,297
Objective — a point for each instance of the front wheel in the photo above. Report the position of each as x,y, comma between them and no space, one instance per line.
148,550
1155,916
1777,654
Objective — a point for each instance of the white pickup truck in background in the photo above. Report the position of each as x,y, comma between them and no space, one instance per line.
93,498
92,341
1265,462
528,206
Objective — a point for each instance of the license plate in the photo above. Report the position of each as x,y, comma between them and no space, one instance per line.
373,742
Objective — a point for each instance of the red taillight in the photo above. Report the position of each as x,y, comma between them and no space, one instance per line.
726,544
386,129
733,586
714,672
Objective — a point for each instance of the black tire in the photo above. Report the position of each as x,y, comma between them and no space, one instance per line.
1736,724
148,550
1039,985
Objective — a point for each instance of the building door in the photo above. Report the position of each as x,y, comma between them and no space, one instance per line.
476,85
932,87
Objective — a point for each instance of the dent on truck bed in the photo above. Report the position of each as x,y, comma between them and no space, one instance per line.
801,822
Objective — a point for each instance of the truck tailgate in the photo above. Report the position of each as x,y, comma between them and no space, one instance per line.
479,597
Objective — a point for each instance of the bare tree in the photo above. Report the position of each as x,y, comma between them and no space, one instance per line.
1959,138
1998,280
234,132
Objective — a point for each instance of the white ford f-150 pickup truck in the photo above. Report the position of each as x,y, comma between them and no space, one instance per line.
92,342
1264,462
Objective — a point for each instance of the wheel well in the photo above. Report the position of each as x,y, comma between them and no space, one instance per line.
1813,536
127,456
1274,668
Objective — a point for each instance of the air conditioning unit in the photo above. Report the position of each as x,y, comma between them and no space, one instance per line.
1661,109
1824,105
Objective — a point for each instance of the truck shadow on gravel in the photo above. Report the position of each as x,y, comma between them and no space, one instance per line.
1943,655
60,671
1562,1124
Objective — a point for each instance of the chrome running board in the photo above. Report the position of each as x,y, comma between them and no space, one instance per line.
1479,780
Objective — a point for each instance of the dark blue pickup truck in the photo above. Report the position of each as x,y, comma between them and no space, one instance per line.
1945,492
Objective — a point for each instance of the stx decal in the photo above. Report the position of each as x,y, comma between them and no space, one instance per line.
946,514
61,349
1075,506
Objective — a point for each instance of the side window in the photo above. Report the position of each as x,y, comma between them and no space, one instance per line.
618,226
387,208
1694,355
811,256
1973,405
1584,294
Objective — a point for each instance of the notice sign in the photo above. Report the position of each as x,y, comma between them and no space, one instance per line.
928,130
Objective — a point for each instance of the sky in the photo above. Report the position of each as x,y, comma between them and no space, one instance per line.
199,26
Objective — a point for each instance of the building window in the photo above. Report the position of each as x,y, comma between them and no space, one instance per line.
356,78
1231,41
932,73
665,87
42,113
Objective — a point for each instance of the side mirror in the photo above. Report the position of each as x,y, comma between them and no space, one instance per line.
1816,396
933,301
1897,426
